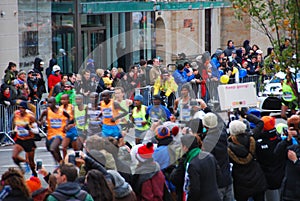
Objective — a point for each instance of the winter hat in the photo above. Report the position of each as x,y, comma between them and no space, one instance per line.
210,120
138,98
162,132
189,141
156,97
56,68
145,152
237,127
269,123
21,72
173,127
33,184
121,187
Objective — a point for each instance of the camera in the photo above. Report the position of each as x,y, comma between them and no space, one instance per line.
34,74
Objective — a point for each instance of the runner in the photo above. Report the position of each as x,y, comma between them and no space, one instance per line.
25,127
71,131
56,120
111,115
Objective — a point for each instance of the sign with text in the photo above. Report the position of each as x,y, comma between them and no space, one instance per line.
237,95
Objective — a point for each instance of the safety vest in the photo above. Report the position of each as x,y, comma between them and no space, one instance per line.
108,112
20,123
139,117
80,118
56,123
287,92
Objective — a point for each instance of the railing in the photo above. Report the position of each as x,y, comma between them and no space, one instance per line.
7,113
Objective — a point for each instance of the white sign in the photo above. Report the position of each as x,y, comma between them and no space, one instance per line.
237,95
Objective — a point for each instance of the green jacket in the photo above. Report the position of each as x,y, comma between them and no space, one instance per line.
71,94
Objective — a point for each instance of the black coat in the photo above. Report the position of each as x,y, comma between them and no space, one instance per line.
291,183
203,174
248,177
215,142
271,163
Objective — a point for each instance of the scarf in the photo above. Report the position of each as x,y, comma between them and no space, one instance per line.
191,154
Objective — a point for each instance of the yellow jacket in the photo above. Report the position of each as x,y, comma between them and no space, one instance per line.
168,86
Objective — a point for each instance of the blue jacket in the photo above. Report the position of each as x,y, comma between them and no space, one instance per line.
215,64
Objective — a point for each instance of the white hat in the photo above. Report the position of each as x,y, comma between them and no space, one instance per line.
259,51
56,68
237,127
210,120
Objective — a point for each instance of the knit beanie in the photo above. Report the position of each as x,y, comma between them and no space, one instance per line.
138,97
269,123
210,120
189,141
121,187
33,184
145,152
237,127
162,132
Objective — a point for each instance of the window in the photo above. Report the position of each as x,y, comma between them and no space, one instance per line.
30,47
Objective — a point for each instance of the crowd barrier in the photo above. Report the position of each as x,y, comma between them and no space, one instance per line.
7,112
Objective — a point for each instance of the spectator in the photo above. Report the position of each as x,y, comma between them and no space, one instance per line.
122,190
67,187
215,142
229,49
199,170
59,87
154,71
14,179
38,68
181,77
292,154
97,186
21,86
248,177
68,89
86,83
90,66
52,62
72,78
10,75
215,64
54,78
6,95
148,181
246,45
32,81
270,162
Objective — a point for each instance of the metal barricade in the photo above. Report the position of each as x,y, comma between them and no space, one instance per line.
6,123
146,92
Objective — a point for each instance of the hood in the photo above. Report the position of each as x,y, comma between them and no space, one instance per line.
36,64
68,188
240,153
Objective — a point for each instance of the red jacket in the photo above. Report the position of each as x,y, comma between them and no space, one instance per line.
153,189
53,80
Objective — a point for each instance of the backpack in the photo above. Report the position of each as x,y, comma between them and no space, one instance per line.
78,197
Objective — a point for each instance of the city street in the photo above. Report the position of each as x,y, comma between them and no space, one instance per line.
48,162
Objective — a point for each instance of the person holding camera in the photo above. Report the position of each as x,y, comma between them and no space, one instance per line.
292,165
25,127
